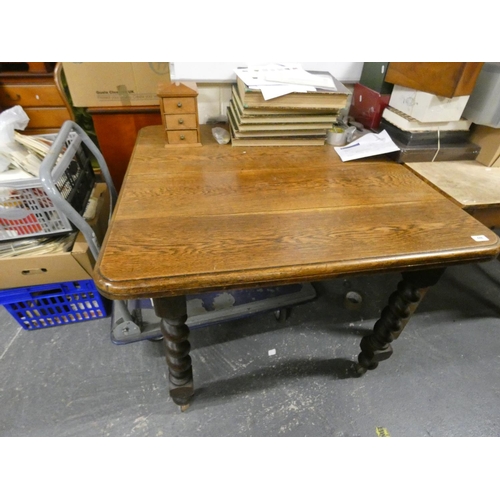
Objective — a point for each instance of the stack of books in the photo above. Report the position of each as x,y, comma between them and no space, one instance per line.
293,119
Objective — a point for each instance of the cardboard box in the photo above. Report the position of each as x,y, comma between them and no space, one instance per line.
489,140
56,267
23,271
368,105
115,84
99,222
427,107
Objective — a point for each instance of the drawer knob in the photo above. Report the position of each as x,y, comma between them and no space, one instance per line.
179,104
16,97
181,121
182,137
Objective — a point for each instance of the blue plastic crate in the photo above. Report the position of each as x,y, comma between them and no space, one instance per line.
45,306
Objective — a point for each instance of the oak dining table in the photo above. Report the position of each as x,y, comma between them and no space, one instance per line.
220,217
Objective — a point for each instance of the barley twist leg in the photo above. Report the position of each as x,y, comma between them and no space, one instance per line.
376,346
172,311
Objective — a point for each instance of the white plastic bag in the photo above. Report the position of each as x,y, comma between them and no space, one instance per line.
11,119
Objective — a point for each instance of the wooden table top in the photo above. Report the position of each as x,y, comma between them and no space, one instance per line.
216,217
469,183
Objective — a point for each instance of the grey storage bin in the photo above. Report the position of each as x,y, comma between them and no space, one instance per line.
26,209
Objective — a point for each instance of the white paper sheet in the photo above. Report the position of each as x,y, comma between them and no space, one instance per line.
272,91
298,76
257,74
261,77
368,145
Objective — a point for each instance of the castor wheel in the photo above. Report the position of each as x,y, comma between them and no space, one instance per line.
282,314
364,364
359,370
156,339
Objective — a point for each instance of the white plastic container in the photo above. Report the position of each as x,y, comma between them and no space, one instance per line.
483,107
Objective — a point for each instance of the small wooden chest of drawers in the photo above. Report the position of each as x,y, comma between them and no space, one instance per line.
179,111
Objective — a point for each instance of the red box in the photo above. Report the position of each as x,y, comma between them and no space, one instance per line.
367,106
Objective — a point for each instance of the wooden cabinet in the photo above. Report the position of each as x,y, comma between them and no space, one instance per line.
179,111
446,79
116,129
37,88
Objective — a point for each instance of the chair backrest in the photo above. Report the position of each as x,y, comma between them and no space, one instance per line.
67,144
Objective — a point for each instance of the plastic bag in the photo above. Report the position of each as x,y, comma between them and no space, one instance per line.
221,135
11,119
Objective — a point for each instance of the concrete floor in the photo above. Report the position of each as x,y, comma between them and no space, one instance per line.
443,379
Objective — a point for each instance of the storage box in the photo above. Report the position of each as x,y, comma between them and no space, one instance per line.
98,220
483,106
24,271
368,105
115,84
427,107
446,79
489,140
55,304
408,123
425,137
373,77
427,153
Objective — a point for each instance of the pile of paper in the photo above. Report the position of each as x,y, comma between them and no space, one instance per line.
275,80
24,157
37,246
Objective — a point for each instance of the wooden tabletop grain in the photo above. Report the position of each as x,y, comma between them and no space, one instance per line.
218,217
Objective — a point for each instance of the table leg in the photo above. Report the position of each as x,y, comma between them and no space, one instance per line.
172,311
376,346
